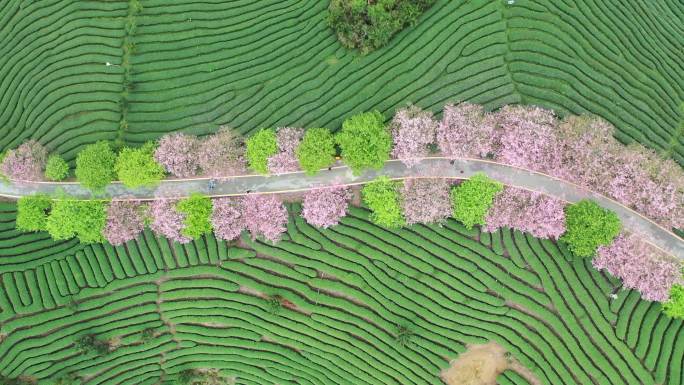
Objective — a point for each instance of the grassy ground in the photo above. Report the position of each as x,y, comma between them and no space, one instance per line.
344,293
192,66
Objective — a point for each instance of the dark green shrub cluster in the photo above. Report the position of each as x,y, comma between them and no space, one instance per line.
472,199
365,141
147,335
67,379
90,343
203,377
403,335
21,380
369,25
382,198
589,226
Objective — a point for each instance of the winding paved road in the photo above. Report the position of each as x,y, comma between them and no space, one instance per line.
435,167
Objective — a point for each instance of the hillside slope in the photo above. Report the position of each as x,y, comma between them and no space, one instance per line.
196,65
344,294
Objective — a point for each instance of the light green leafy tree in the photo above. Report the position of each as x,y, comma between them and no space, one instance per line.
95,165
588,226
84,219
136,167
316,150
382,198
472,199
365,141
32,213
674,307
56,168
197,209
260,147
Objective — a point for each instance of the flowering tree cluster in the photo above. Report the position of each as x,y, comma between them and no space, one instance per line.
531,212
125,221
323,207
183,156
288,139
261,215
527,138
578,149
26,162
167,221
265,215
580,141
466,132
221,153
413,131
178,153
632,175
227,218
425,200
640,266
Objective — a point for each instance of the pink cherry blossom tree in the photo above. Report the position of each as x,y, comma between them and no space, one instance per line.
26,162
534,213
265,215
587,150
649,184
285,160
640,266
528,138
228,218
178,153
125,221
633,175
425,200
413,130
466,131
167,221
323,207
222,153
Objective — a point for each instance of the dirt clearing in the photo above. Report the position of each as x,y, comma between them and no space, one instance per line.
481,364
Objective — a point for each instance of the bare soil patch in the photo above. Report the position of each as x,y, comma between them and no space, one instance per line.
482,364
